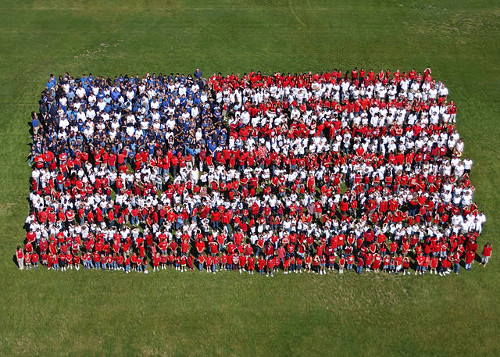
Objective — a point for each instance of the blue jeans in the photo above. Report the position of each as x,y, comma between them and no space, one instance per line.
456,267
359,269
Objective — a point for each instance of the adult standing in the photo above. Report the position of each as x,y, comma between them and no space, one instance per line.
20,258
486,254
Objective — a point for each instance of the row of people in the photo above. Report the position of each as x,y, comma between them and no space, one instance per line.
212,263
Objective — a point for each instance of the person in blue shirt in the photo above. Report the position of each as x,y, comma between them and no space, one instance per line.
52,82
35,123
211,147
115,94
197,74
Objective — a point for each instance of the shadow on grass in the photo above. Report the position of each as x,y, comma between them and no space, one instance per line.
14,259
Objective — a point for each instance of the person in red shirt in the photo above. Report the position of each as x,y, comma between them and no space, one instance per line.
190,262
215,219
469,259
104,262
377,260
163,261
270,266
486,254
96,257
331,261
62,261
126,263
385,263
434,264
34,260
183,262
27,260
455,259
208,263
242,263
261,264
76,261
342,262
20,258
298,264
213,245
200,247
69,260
251,264
156,262
308,262
201,261
359,265
406,265
286,265
445,266
54,261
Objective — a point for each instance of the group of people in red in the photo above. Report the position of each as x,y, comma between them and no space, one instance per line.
311,172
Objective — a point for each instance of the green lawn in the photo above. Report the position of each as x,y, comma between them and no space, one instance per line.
171,313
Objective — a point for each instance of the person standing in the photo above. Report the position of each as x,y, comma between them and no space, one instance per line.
198,74
456,262
359,265
486,254
35,123
20,258
469,258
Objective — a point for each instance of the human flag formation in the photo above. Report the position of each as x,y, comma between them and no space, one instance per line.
318,172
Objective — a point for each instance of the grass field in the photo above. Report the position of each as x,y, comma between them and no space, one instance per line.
98,313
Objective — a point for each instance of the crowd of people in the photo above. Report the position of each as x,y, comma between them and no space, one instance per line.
311,172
